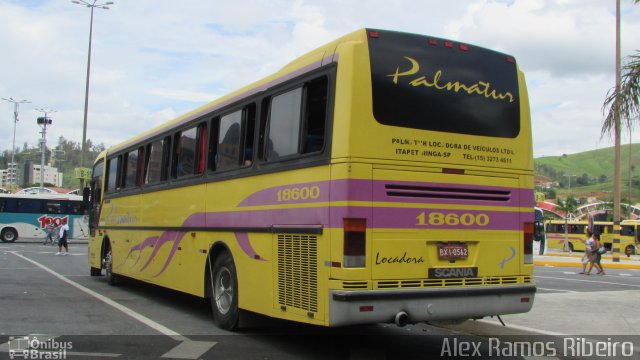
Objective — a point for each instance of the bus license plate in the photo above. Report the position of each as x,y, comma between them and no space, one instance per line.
453,251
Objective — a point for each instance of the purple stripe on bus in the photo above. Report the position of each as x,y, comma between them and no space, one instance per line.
377,217
368,190
240,96
245,245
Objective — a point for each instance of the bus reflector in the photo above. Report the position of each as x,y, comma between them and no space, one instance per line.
464,47
433,42
366,308
374,34
528,243
448,44
355,242
511,60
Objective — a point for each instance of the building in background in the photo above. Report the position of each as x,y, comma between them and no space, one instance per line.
9,176
32,174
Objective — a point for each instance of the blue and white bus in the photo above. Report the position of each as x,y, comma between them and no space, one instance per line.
26,216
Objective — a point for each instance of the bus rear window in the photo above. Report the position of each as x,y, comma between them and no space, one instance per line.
434,84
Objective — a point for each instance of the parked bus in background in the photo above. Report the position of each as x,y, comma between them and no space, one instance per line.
27,216
577,231
629,240
382,177
539,234
631,244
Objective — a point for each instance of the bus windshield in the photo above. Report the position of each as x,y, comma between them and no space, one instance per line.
431,84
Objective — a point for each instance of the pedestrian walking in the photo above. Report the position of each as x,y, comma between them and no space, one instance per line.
62,241
588,248
596,255
50,234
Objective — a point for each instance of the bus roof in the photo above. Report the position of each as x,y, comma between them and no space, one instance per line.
42,196
305,63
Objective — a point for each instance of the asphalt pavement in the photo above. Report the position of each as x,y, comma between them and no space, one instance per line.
591,314
595,313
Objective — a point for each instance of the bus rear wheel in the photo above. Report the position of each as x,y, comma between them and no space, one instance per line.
108,267
224,292
9,235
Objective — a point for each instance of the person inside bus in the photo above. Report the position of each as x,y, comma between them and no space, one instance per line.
62,241
596,255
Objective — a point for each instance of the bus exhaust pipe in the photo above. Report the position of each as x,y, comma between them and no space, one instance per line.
402,319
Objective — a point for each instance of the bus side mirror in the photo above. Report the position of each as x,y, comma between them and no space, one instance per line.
86,195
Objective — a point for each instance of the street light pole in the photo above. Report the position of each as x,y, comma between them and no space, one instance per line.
16,108
92,6
43,122
569,176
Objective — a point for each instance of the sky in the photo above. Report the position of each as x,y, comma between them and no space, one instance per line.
155,60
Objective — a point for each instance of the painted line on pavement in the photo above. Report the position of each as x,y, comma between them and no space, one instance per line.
143,319
589,281
561,290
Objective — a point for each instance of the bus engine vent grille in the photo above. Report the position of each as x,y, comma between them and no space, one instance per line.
454,282
437,192
298,272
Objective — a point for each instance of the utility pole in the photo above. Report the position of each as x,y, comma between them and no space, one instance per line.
12,167
43,122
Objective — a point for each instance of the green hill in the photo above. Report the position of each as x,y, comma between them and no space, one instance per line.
591,173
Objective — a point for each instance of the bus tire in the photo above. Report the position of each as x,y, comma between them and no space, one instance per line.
112,278
9,235
224,292
570,247
96,271
630,250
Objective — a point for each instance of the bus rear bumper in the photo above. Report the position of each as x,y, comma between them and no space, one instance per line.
382,306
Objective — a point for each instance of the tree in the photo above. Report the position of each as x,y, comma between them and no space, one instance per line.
568,206
623,104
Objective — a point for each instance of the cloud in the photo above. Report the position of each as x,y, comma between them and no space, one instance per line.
154,60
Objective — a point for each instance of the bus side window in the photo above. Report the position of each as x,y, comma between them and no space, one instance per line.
53,207
284,125
112,174
296,121
249,132
154,162
229,141
213,143
201,145
130,169
315,115
32,206
166,158
185,152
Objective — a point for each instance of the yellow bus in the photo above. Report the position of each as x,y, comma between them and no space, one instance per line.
575,230
383,177
629,240
577,237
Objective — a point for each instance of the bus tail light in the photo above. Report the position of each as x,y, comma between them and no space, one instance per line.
355,240
528,243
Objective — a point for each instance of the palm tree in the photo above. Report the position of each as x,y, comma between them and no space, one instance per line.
568,206
623,103
628,100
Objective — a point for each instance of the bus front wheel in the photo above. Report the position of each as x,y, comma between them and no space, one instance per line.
224,292
9,235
